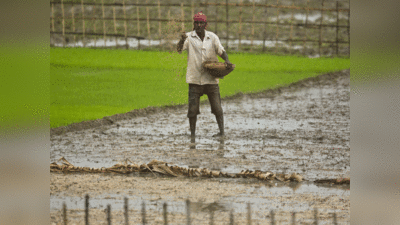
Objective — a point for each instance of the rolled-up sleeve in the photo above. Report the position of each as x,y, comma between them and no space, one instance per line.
219,49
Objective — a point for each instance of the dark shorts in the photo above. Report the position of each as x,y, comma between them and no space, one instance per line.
212,92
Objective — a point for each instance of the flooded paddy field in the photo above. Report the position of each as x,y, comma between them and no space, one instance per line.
303,128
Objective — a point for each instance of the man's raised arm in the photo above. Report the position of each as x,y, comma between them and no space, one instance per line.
181,42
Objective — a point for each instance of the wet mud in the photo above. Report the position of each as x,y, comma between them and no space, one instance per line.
302,128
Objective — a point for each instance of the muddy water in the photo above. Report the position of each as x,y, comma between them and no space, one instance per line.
305,129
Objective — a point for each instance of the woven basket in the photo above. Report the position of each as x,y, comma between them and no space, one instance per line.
218,69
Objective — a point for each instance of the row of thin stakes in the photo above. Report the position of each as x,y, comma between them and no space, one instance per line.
188,217
160,167
227,5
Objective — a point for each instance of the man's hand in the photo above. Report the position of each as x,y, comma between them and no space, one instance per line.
228,64
181,41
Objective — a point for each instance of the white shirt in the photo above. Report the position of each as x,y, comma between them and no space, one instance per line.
199,52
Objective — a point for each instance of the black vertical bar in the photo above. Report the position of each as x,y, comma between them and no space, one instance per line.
165,213
211,217
227,25
143,213
248,214
65,214
272,217
87,209
109,214
188,211
126,211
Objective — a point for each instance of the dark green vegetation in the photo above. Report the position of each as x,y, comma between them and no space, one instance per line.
88,84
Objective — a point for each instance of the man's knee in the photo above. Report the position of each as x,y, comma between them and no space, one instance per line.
218,112
192,114
194,106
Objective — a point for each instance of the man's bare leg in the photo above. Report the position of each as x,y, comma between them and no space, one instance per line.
220,121
192,123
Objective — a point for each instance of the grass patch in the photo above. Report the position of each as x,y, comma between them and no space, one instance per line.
88,84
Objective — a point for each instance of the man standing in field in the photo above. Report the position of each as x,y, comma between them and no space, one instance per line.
202,46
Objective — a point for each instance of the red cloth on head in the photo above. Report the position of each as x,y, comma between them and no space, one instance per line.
200,17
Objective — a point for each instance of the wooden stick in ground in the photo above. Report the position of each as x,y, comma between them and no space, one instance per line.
65,221
272,217
125,26
109,214
348,27
248,214
165,213
169,20
138,23
83,24
182,18
192,8
305,30
187,212
144,213
216,19
227,26
137,18
73,22
206,7
212,217
94,23
334,219
148,25
337,28
320,29
294,218
159,22
265,25
87,209
104,23
252,24
277,27
315,216
291,31
126,211
52,16
169,15
63,22
115,26
231,219
240,25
